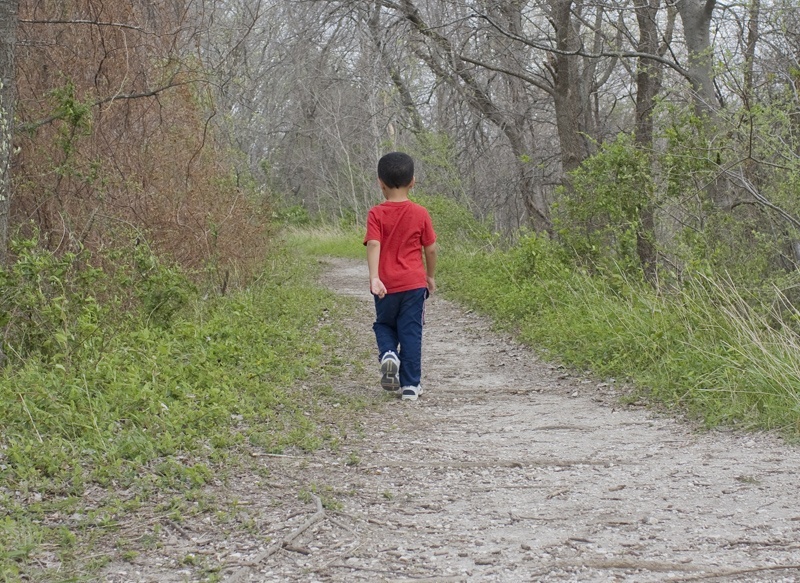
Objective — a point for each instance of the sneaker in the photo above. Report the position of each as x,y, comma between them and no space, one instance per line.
390,369
411,393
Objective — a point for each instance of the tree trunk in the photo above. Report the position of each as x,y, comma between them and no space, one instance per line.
376,33
696,18
8,39
750,48
648,85
566,87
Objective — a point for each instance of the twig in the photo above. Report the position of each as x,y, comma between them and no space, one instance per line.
557,493
545,462
286,542
359,568
296,549
447,579
736,572
347,552
318,516
343,526
179,528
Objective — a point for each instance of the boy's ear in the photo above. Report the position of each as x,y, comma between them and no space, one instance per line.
413,182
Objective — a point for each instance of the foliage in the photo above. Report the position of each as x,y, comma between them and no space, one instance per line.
705,347
292,216
454,223
690,158
435,157
52,307
320,241
106,388
599,216
727,194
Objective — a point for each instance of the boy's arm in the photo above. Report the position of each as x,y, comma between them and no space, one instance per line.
373,259
430,266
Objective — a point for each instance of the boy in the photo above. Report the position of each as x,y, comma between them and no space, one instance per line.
399,232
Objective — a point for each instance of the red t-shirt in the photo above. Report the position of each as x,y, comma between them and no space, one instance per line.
402,229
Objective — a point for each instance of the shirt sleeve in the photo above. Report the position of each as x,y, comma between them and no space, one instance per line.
373,227
428,234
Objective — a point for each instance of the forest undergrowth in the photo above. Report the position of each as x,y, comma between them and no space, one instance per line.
127,387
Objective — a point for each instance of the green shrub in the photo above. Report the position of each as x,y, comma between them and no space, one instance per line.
54,305
46,306
598,218
454,223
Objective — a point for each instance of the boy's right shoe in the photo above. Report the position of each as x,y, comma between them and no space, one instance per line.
390,371
411,393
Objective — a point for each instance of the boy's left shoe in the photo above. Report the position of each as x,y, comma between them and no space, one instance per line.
390,371
411,393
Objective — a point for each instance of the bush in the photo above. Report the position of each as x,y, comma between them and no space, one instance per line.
53,305
454,223
598,218
46,304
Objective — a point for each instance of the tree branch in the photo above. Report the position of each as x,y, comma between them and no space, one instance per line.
32,126
582,53
89,22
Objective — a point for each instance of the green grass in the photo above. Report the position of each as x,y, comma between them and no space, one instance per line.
334,241
151,409
701,349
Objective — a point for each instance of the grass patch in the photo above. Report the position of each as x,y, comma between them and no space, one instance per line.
701,348
158,410
335,241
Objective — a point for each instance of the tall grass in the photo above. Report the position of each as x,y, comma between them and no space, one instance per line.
702,347
332,240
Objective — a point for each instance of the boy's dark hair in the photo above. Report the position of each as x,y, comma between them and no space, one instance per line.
396,169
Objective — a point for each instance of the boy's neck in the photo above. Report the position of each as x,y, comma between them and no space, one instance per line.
395,194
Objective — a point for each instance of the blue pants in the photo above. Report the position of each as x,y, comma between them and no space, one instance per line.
399,318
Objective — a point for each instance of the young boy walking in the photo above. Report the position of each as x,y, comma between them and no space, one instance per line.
399,233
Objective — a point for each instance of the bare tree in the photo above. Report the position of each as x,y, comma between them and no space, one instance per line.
8,41
648,85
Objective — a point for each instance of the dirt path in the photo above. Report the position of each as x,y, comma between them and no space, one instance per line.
509,470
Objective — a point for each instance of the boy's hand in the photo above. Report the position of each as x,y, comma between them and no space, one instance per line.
431,284
376,287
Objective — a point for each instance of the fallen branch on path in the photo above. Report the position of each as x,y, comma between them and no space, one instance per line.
286,542
449,579
466,465
734,572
